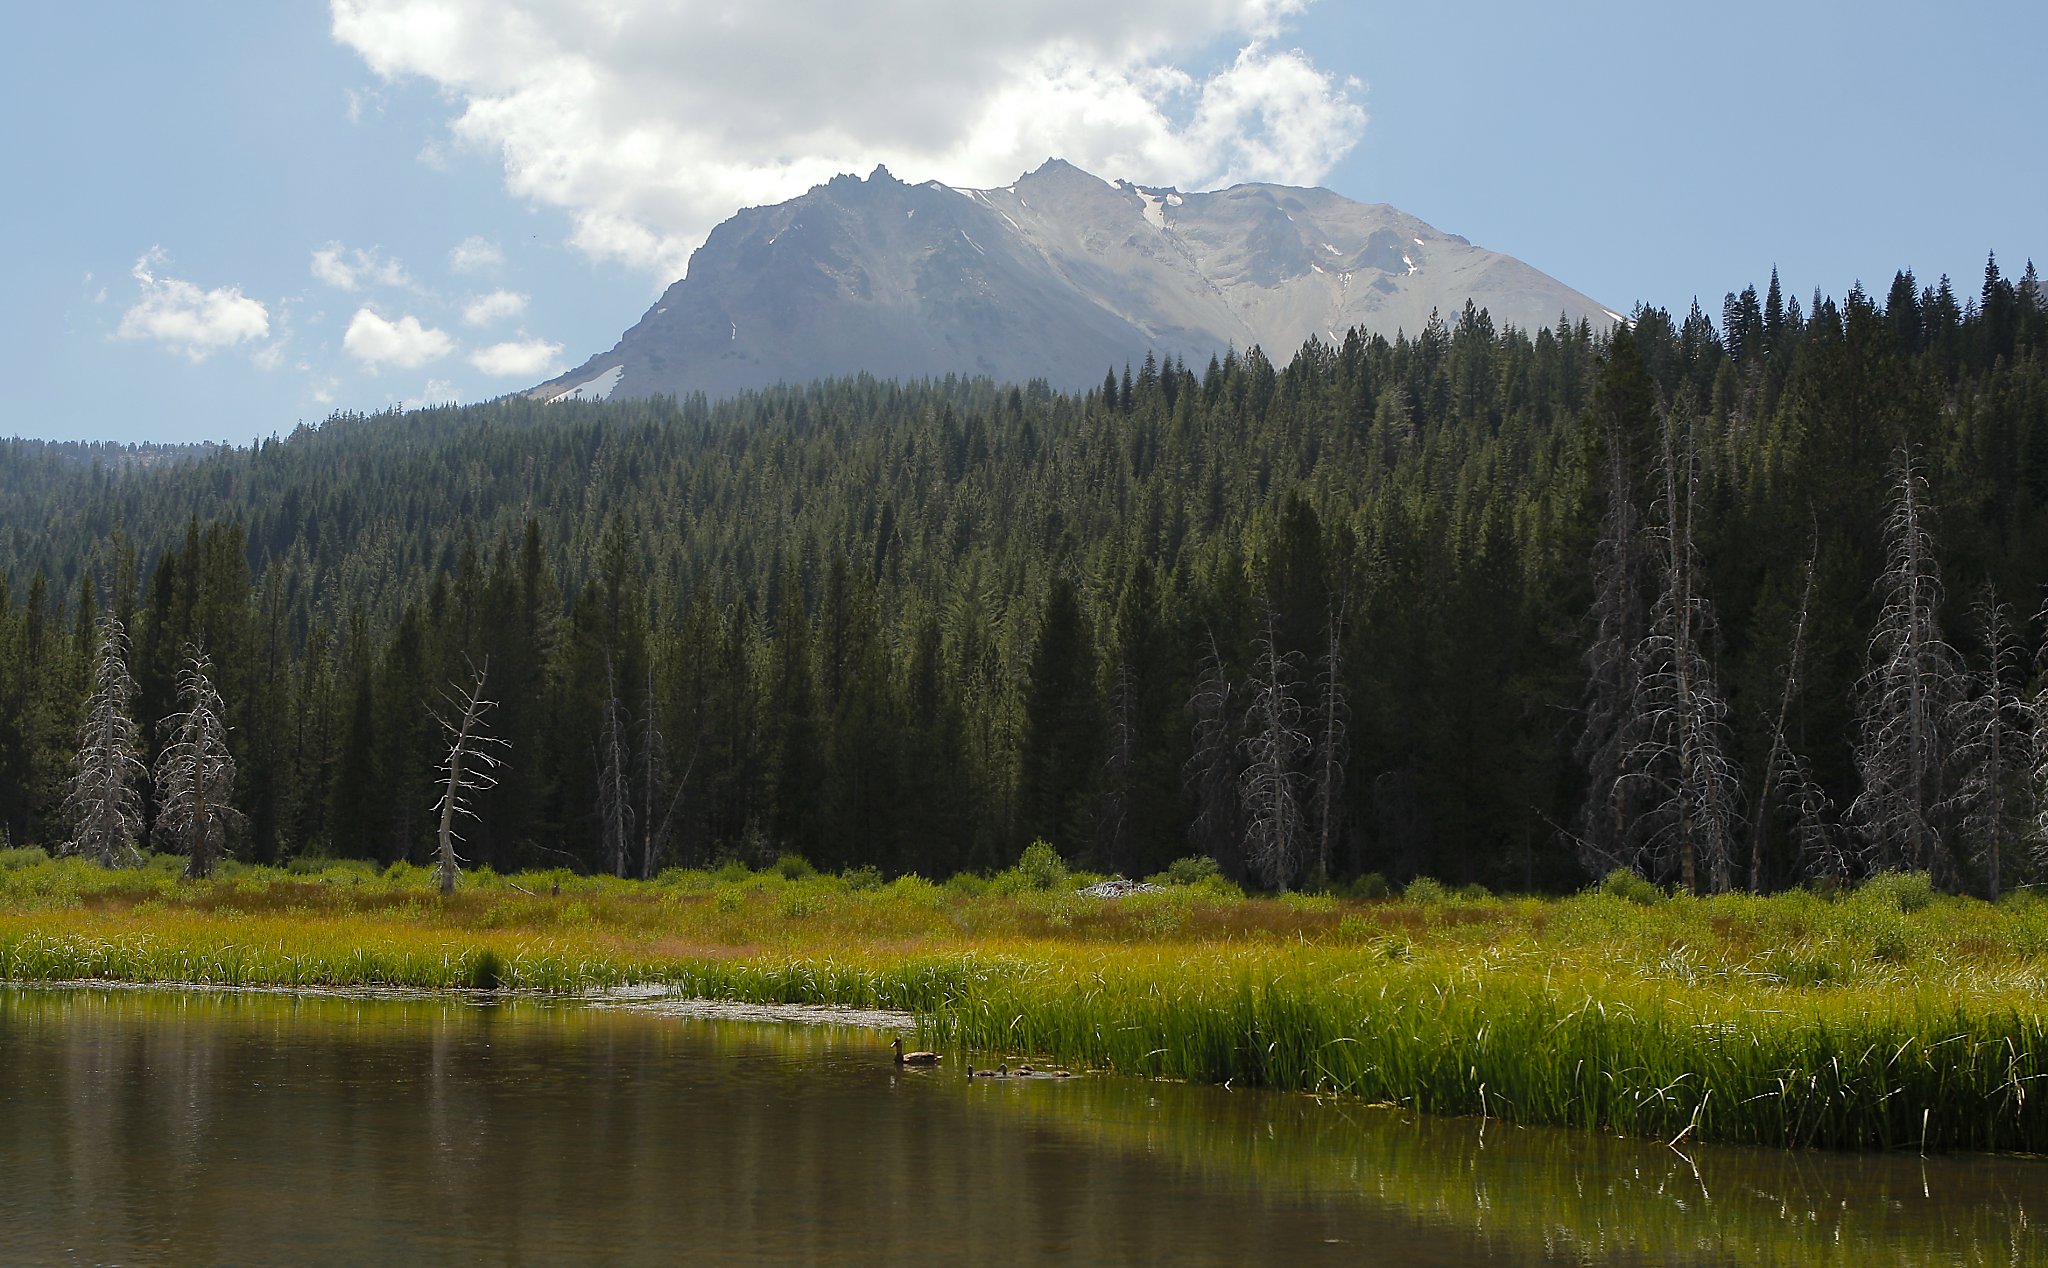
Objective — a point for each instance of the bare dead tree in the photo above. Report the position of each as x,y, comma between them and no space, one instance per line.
1676,748
195,773
1119,768
1211,772
614,797
654,771
470,766
1780,762
105,802
1904,702
1274,744
2037,755
1993,724
1605,839
1332,748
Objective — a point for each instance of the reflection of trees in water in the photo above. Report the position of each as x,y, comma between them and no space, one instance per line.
222,1126
1582,1194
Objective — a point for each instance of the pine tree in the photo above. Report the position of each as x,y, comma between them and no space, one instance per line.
105,805
195,773
1332,750
1061,750
1211,771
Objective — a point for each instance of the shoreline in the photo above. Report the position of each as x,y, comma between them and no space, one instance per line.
650,1000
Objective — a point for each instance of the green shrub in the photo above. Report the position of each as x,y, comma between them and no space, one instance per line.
1191,870
1426,889
1626,885
917,891
1041,867
1217,889
793,867
1474,893
733,872
23,856
793,903
967,884
1370,886
1906,892
857,879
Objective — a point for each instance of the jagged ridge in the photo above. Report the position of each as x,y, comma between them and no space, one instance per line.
1055,277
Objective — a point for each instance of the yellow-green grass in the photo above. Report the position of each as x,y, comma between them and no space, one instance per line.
1887,1018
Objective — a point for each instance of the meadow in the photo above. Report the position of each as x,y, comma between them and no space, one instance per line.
1889,1017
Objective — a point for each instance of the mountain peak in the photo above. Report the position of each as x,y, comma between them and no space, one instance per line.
1056,276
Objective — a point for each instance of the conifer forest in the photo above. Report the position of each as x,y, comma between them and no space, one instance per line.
1737,600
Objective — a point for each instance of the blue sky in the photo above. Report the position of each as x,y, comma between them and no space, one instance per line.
233,217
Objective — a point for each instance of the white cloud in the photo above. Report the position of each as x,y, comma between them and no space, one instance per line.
404,343
476,254
650,122
346,270
436,392
519,359
496,306
186,319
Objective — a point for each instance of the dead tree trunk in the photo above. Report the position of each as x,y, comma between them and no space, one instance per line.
195,772
1992,725
1677,734
1271,783
470,766
105,802
1776,764
1606,824
1331,748
1904,701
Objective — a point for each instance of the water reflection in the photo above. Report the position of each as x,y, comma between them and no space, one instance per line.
157,1127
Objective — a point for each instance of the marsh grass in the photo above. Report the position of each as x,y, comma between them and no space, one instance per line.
1891,1017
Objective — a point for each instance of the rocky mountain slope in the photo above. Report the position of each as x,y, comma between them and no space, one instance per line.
1060,276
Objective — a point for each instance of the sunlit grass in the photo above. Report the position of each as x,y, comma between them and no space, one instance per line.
1888,1018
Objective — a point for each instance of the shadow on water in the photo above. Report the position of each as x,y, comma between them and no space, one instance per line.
165,1127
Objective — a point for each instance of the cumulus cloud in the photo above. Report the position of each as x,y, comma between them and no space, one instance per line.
185,318
519,359
476,254
496,306
346,270
649,122
404,343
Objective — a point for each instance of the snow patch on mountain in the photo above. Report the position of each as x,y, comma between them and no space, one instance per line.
597,389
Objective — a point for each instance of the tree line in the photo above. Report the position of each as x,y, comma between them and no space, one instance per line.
1487,605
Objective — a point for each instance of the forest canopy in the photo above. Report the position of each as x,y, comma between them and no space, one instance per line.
1747,602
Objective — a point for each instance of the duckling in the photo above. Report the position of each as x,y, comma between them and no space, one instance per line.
1002,1071
912,1058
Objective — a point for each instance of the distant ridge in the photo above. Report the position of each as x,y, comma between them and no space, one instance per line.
1058,276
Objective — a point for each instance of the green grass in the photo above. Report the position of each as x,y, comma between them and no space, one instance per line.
1887,1018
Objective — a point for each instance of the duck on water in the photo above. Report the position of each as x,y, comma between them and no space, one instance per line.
912,1058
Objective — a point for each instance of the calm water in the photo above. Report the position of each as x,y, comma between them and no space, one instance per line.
159,1127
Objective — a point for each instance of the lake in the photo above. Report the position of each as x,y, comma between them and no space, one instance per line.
165,1127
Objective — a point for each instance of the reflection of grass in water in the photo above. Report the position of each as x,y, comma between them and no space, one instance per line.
1886,1019
1581,1195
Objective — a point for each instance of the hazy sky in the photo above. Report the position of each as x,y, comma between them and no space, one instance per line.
230,217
